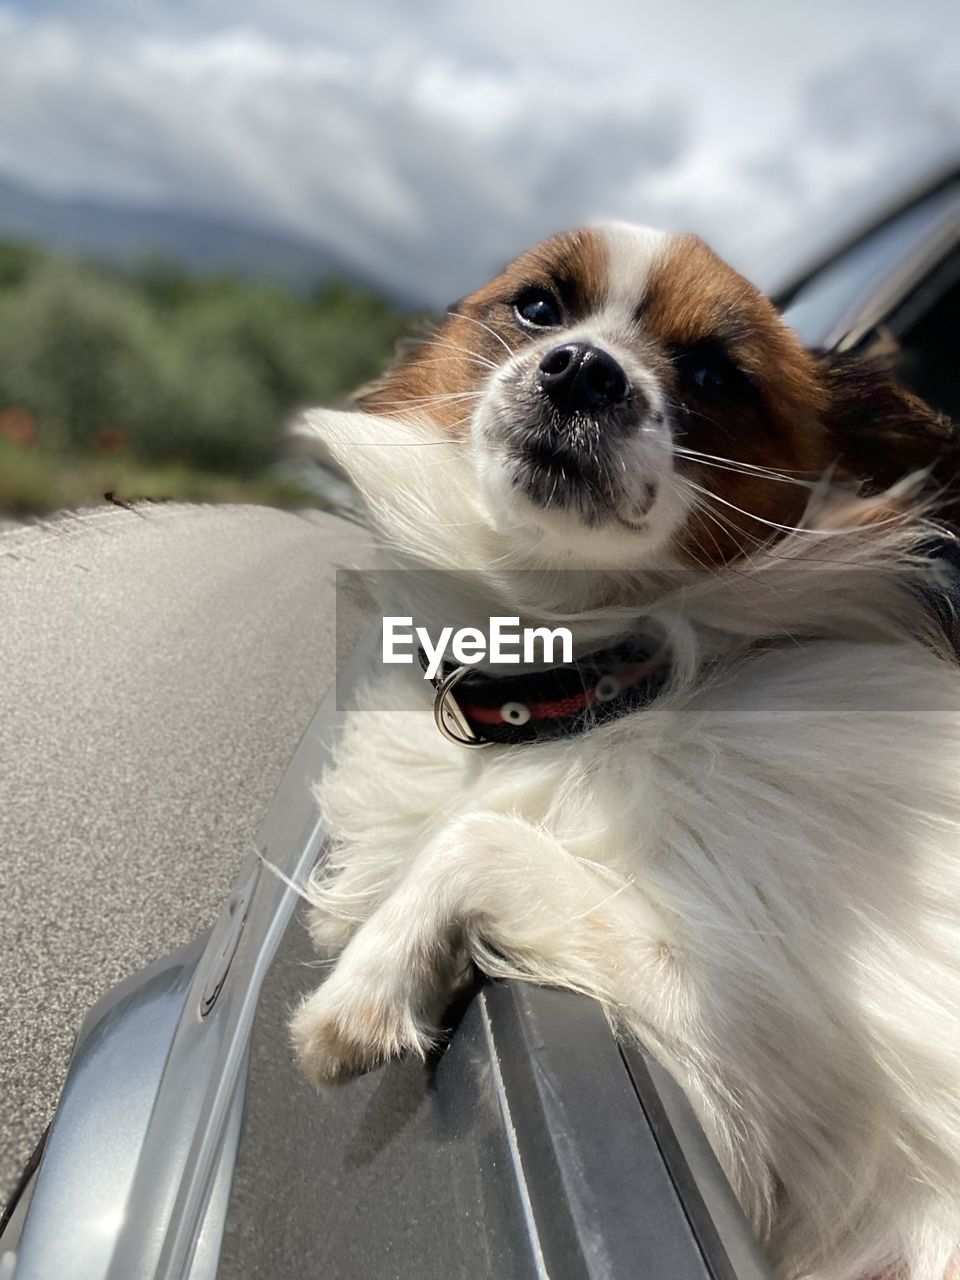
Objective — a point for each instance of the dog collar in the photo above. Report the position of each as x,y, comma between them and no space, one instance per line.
477,709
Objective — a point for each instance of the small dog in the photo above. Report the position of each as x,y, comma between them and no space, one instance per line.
752,857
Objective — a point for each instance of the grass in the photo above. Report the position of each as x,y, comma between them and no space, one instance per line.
34,481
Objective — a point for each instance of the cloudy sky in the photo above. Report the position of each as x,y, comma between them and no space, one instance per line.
425,143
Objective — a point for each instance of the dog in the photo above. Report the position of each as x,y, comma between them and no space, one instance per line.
749,852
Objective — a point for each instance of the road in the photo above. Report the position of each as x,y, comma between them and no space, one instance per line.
157,667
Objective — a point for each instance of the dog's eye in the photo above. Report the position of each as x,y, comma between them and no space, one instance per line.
707,369
709,377
537,307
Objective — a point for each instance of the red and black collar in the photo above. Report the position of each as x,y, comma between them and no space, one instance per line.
477,708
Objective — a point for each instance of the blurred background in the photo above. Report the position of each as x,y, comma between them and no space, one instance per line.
215,211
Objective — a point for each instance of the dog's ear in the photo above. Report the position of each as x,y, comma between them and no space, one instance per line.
881,432
421,332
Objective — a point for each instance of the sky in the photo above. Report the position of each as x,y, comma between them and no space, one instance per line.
425,144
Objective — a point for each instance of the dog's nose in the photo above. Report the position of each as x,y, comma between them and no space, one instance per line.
579,377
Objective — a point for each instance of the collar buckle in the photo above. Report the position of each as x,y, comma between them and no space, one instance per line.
448,715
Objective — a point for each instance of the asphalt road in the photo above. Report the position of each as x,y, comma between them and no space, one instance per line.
157,668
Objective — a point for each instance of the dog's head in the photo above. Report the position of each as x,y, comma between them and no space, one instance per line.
621,397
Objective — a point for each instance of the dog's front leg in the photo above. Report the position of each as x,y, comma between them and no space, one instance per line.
485,876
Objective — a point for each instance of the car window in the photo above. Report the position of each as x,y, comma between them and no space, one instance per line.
927,331
835,291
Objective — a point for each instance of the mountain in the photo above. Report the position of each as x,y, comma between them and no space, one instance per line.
119,233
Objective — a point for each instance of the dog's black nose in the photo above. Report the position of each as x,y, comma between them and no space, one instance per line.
580,378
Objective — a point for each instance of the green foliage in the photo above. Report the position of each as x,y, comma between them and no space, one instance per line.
80,354
171,369
16,262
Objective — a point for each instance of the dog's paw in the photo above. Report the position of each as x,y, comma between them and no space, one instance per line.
329,933
335,1037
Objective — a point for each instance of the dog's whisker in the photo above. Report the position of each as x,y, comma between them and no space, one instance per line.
699,509
740,537
446,364
422,402
767,547
744,469
805,530
493,333
750,466
445,345
705,514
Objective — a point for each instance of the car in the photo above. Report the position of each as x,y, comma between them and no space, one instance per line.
186,1147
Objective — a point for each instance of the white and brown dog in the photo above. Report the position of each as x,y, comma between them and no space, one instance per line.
755,866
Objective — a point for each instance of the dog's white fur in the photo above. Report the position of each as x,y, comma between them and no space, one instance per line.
758,875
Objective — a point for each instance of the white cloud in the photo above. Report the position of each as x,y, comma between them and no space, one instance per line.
427,150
